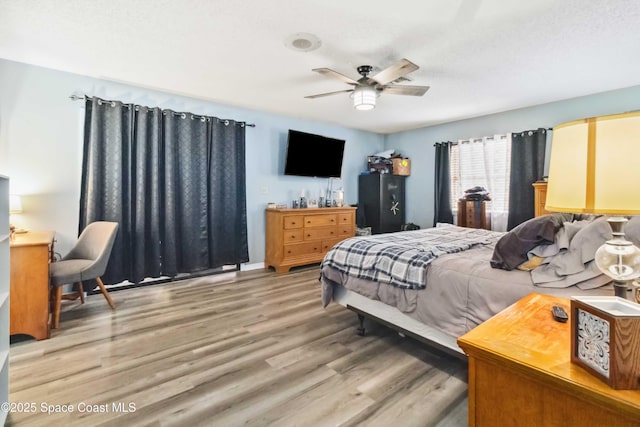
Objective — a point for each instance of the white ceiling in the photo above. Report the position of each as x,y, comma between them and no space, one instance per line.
478,56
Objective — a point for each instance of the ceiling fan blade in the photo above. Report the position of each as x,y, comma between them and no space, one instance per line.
336,75
406,90
320,95
399,69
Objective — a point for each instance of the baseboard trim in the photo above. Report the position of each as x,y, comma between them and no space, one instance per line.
252,266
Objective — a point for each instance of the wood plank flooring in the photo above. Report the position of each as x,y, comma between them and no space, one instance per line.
248,348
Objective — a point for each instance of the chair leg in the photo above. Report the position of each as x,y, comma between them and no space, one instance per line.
105,293
81,291
57,301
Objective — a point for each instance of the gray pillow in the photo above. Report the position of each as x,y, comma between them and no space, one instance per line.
512,248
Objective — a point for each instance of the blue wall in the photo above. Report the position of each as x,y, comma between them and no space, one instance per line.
41,145
41,148
418,144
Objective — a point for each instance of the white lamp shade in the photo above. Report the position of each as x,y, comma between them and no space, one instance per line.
594,166
15,204
364,98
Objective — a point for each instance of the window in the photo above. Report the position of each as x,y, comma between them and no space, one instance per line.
483,162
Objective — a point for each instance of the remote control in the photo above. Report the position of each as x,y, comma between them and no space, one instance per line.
559,314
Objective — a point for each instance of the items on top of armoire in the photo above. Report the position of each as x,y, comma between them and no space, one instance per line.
476,193
389,162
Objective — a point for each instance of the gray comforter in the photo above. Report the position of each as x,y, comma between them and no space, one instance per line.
461,290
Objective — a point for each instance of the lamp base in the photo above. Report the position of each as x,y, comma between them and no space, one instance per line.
621,289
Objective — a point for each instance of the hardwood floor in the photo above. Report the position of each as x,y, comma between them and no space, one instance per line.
249,348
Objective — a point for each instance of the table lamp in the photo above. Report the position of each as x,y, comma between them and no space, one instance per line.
594,170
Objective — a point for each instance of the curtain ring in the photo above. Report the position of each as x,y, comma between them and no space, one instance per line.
183,115
192,117
530,133
241,124
99,101
203,119
226,122
113,103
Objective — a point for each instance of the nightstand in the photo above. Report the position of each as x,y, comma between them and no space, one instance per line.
520,373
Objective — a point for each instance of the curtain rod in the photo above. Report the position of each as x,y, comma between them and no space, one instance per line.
455,142
75,97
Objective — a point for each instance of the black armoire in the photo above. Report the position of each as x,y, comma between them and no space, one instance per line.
381,196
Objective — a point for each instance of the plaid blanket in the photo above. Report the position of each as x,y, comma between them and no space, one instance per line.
401,259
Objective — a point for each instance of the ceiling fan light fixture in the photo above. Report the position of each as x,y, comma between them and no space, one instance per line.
364,98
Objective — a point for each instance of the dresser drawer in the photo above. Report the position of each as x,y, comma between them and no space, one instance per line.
316,233
293,221
345,218
305,248
293,235
320,220
329,243
346,230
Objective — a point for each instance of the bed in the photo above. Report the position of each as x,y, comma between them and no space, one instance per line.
437,284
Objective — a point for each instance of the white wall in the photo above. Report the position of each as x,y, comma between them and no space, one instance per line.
418,144
41,148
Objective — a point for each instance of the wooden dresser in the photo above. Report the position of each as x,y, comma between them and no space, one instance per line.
520,373
303,236
31,254
473,214
540,197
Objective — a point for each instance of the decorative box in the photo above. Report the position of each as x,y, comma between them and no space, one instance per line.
377,164
605,339
401,166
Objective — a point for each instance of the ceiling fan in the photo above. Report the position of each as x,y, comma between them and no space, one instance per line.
366,89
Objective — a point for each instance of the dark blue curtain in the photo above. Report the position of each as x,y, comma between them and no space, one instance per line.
527,167
175,182
442,202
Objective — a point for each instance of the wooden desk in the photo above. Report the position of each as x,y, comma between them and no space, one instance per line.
520,373
29,309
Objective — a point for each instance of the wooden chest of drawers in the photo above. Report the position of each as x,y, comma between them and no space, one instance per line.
473,214
540,196
303,236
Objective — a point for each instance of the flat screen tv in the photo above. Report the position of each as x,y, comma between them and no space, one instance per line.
313,155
